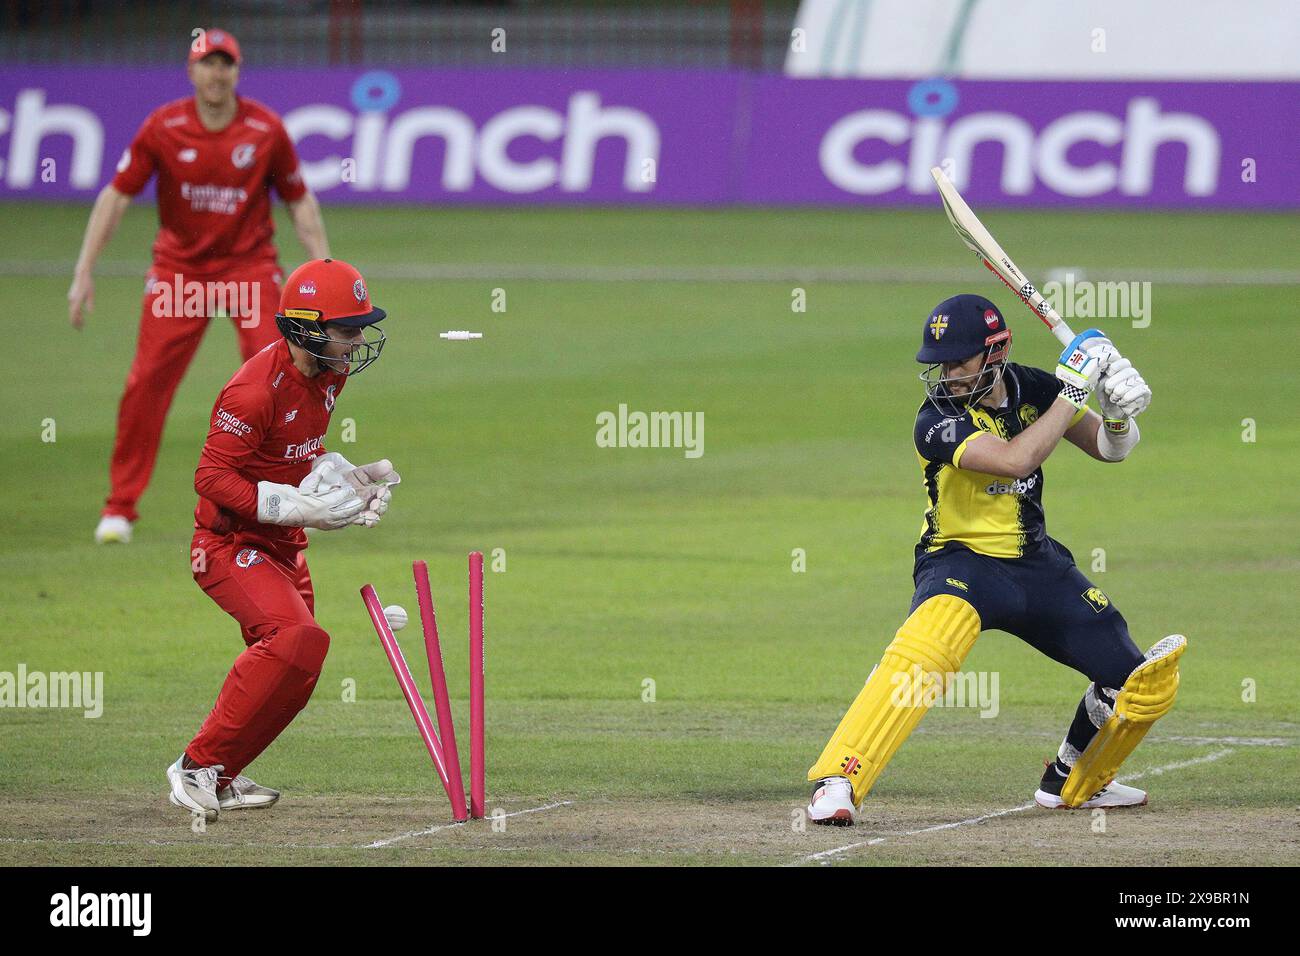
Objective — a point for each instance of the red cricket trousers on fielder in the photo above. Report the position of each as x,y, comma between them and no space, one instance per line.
173,317
272,680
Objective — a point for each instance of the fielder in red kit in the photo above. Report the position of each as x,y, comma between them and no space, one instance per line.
216,156
263,476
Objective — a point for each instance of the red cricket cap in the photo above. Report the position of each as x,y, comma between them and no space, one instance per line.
213,40
332,289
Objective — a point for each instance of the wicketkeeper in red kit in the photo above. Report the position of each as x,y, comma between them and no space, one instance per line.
263,476
216,156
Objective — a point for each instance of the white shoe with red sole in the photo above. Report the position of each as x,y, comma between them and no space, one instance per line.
832,803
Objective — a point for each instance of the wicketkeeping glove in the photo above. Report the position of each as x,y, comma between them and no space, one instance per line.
371,482
305,506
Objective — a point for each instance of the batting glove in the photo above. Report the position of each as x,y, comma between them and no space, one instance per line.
1078,369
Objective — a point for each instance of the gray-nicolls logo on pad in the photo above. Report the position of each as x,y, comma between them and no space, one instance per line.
75,909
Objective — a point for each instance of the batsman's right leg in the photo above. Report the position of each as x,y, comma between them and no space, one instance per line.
927,650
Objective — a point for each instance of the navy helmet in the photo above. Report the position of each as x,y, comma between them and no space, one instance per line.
960,328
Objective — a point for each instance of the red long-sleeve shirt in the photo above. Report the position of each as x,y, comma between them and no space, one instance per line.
268,424
214,206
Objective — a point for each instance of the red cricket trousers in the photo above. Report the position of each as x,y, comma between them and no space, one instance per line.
272,680
173,317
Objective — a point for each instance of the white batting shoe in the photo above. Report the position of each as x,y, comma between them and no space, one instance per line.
1110,796
194,790
832,803
113,529
244,794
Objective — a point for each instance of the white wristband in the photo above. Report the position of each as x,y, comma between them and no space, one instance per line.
1115,441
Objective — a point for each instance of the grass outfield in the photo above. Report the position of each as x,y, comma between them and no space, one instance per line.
631,565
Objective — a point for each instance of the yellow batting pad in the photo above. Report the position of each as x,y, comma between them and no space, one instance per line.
927,650
1146,696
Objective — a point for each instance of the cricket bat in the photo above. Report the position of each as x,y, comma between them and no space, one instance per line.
981,242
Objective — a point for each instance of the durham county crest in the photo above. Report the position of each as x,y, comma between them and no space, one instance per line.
1096,599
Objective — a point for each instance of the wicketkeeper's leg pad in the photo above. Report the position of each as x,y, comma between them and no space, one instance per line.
1146,696
927,650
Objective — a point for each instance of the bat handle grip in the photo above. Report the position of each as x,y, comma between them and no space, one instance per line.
1064,334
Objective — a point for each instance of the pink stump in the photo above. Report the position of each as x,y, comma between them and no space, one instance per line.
438,679
477,776
407,684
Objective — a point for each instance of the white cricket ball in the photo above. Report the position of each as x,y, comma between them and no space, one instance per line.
396,615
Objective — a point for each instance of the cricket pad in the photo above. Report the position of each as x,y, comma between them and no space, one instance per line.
1146,696
933,641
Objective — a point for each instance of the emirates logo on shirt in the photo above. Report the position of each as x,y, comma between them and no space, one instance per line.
230,423
209,197
307,449
242,155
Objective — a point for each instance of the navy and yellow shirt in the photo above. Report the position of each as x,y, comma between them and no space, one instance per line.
997,515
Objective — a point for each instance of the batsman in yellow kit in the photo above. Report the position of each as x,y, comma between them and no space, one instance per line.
985,561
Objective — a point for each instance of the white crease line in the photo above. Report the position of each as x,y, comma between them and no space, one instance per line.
448,826
413,833
827,854
203,842
875,841
931,734
1156,771
1235,741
